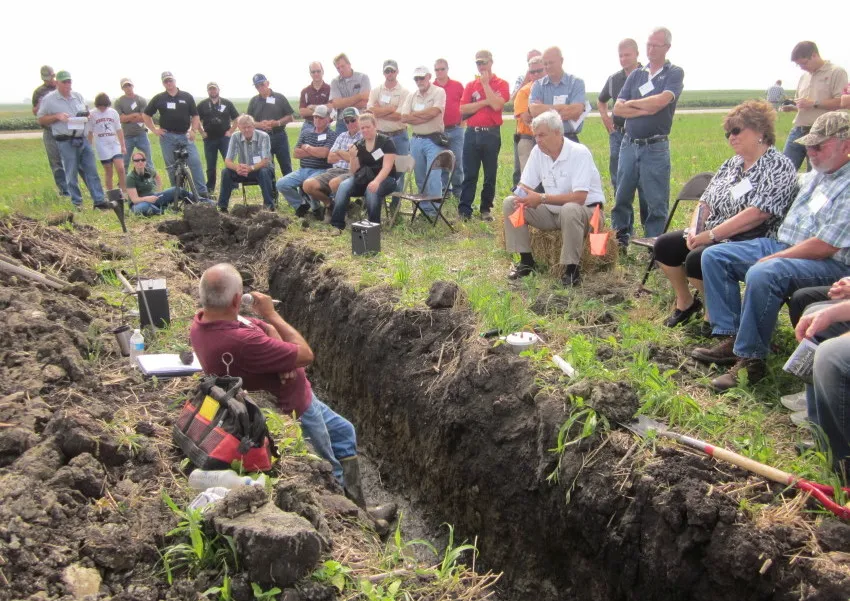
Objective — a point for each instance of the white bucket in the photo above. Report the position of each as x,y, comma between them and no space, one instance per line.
522,341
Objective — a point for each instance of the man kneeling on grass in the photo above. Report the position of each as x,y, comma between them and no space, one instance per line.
271,355
572,189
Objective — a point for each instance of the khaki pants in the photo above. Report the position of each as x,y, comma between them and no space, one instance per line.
573,220
523,150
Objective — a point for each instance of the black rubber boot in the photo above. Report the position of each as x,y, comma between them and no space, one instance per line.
354,490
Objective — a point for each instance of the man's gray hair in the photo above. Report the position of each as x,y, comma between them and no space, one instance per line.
219,284
668,37
244,119
534,60
550,120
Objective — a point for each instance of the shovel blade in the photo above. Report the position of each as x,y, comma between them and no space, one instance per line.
644,424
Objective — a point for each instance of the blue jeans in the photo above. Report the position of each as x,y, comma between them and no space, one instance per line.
163,199
796,152
331,435
455,135
402,142
374,201
288,185
169,142
768,285
211,148
423,152
77,155
280,151
828,398
54,158
230,180
645,168
480,149
615,140
131,143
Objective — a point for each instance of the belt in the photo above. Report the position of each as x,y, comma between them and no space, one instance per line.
620,128
595,204
278,130
63,138
448,127
647,141
393,133
179,133
490,128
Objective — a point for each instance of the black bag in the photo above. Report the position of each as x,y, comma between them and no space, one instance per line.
362,178
440,139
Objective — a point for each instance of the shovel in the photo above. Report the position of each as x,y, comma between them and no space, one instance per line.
823,493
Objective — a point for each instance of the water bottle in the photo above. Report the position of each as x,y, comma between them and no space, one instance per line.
204,479
137,347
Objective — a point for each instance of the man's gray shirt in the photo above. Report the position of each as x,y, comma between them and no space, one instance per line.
251,152
127,105
56,103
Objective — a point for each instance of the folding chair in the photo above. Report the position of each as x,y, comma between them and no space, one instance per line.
242,186
692,190
444,160
404,165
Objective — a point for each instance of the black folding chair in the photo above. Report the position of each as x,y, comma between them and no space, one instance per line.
692,190
444,160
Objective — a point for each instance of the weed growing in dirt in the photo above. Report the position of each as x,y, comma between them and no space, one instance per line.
334,573
286,431
262,595
224,592
661,396
588,423
397,551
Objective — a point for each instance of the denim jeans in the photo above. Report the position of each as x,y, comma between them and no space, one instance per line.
455,135
402,142
615,140
828,398
230,180
80,157
796,152
163,199
423,151
331,435
169,143
768,284
54,158
211,149
280,151
131,143
288,185
646,168
374,201
480,149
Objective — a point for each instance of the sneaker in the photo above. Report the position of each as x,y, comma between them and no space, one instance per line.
302,210
756,370
800,418
571,277
520,270
719,354
222,209
465,217
336,232
795,402
680,316
484,216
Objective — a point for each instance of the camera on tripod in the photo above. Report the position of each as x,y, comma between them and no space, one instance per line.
181,153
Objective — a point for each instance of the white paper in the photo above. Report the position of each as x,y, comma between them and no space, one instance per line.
171,105
221,108
419,106
77,123
741,188
385,98
575,123
646,88
559,99
256,160
271,100
520,192
134,105
322,137
818,201
377,154
802,360
166,364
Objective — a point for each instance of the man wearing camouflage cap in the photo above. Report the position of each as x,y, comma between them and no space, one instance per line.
48,79
812,248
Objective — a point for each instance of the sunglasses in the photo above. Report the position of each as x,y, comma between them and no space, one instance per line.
735,131
535,71
350,120
389,70
440,69
139,160
419,78
314,71
64,81
481,62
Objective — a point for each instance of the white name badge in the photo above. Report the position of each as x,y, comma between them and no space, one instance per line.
271,100
171,105
221,108
818,201
419,106
476,96
741,188
377,154
134,105
646,88
322,137
257,159
559,99
385,98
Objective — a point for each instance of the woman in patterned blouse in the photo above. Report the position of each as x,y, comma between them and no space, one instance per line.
747,198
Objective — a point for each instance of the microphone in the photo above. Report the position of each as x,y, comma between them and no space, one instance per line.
248,301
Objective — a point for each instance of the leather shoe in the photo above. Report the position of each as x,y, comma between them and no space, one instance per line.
719,354
302,210
571,277
680,316
756,370
520,270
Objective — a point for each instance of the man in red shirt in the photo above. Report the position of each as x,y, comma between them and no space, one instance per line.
316,94
271,355
451,121
481,106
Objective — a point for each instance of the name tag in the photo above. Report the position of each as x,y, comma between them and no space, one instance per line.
322,137
182,101
476,96
171,105
377,154
221,108
818,201
385,98
271,100
646,88
257,159
741,188
419,106
134,105
559,99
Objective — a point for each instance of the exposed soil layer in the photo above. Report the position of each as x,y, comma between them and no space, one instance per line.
460,425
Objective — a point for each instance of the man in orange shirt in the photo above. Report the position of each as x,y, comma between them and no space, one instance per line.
481,106
524,137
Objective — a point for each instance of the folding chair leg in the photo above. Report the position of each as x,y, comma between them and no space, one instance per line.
649,267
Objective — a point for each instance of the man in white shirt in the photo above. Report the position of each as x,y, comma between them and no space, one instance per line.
572,190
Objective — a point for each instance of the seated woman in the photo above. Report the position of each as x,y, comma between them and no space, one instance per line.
142,184
374,176
747,198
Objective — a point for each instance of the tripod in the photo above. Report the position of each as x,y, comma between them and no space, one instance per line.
182,178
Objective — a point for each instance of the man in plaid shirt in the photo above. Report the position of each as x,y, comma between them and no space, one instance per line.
812,249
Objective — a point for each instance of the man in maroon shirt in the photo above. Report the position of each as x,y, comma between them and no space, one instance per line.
316,94
481,105
451,121
271,355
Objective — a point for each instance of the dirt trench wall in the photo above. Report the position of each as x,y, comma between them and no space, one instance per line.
472,442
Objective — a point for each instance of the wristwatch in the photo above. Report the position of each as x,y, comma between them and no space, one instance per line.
817,104
543,199
711,236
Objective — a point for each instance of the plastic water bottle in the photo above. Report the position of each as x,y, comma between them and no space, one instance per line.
137,347
204,479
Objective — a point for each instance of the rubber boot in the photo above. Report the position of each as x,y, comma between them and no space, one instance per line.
354,491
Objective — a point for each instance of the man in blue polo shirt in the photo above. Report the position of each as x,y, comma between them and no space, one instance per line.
647,102
559,92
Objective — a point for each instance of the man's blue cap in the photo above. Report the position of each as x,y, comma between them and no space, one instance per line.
259,78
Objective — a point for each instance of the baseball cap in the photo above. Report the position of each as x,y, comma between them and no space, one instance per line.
350,111
259,78
834,124
322,111
63,76
46,73
213,84
166,75
484,55
125,81
391,64
421,71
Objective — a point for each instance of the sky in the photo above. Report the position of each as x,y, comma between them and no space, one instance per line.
720,45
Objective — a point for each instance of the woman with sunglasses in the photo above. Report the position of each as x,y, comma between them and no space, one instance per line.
142,184
747,198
